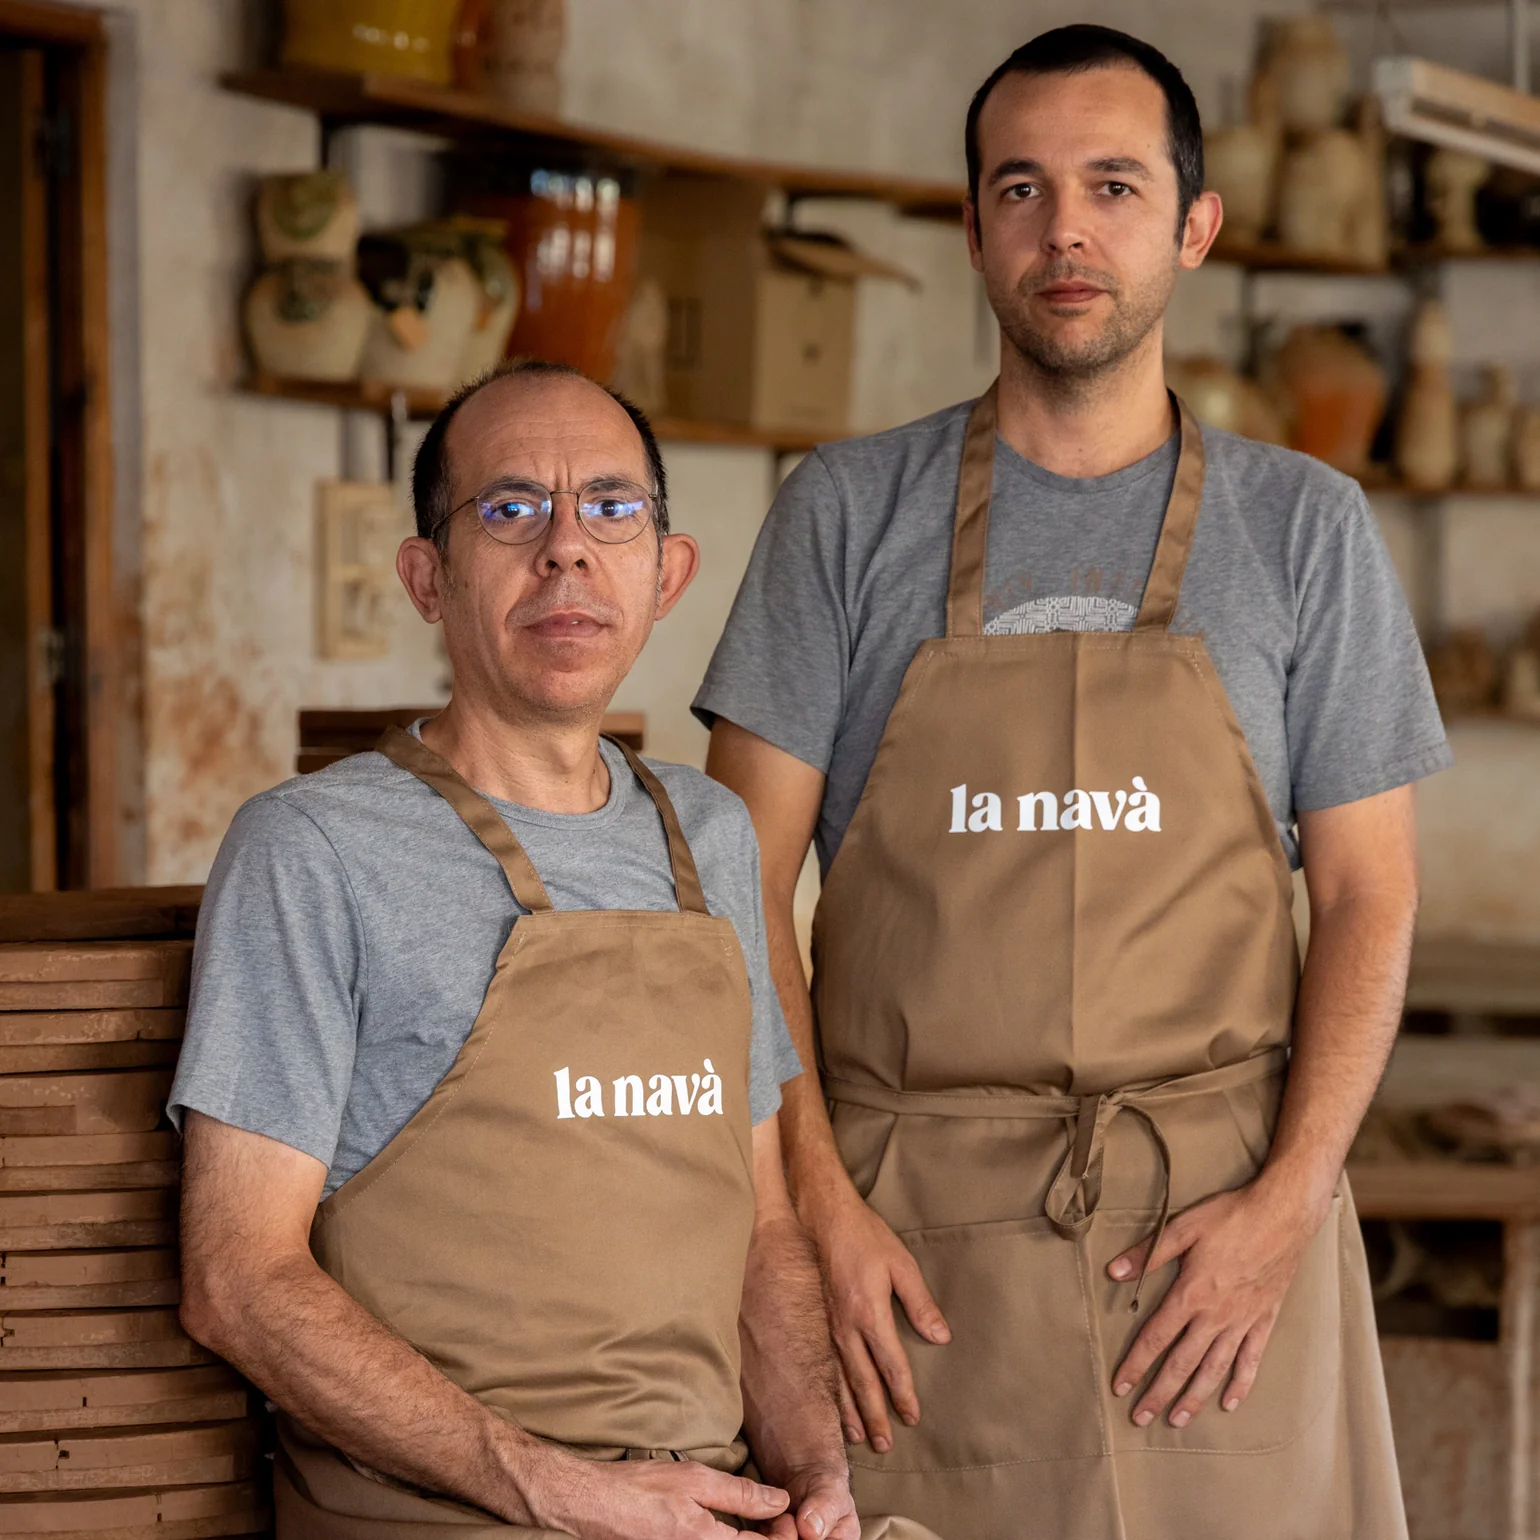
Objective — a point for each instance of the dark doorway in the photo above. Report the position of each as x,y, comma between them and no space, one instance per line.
57,670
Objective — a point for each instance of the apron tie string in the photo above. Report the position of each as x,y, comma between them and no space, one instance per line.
1077,1186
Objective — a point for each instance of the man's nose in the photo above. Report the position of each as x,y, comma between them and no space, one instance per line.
1064,227
565,544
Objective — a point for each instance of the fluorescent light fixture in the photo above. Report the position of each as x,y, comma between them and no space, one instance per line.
1438,105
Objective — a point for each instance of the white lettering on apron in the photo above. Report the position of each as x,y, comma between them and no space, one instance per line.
1137,811
696,1093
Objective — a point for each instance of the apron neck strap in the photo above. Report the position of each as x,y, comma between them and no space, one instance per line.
481,818
489,826
970,528
1163,589
688,892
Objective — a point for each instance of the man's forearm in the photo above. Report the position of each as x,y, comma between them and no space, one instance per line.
1349,1009
343,1374
790,1394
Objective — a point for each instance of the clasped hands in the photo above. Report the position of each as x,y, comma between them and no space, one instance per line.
1238,1253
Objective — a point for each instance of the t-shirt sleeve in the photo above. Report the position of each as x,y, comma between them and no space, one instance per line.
272,1022
781,667
772,1054
1360,712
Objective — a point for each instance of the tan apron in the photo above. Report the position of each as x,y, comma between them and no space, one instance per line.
1055,981
562,1227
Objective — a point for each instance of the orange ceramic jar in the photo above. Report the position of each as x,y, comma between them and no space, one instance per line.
382,37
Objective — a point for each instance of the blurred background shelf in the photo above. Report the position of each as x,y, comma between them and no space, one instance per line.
406,404
342,101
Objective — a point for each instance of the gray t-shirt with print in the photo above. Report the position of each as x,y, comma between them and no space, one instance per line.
1288,583
352,922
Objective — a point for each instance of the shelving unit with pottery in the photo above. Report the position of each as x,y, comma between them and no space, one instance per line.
1304,181
487,87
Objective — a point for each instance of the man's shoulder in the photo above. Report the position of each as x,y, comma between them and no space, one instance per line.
1267,480
715,820
330,806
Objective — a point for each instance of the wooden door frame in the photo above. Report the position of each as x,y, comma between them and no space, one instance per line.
110,641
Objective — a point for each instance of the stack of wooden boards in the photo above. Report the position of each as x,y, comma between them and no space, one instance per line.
114,1424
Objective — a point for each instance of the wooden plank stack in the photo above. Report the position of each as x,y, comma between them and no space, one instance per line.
114,1424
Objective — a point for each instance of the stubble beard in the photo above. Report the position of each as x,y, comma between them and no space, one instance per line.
1073,369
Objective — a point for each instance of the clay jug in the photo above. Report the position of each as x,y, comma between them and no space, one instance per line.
1309,71
1323,187
524,44
1337,395
1452,179
1368,222
1242,165
308,320
1224,399
1486,432
427,301
1526,448
312,215
1427,434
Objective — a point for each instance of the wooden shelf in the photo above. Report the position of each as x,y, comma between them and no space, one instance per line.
421,405
1268,257
390,101
1445,1189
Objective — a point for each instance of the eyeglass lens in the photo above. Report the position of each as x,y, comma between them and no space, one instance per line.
613,512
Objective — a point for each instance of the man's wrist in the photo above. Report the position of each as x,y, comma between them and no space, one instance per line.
1301,1189
531,1473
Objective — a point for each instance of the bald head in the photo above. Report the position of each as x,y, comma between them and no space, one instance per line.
528,413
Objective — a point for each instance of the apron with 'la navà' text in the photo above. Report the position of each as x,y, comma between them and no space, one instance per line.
1055,976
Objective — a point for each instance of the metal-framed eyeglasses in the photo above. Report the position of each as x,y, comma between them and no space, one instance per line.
610,509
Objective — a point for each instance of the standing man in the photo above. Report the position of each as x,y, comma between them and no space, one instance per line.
482,1174
1062,685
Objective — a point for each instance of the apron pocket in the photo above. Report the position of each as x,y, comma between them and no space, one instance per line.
1018,1379
1300,1367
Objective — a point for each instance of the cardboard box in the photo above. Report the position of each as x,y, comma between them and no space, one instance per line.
760,322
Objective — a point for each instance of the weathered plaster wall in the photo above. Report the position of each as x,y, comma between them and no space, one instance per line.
226,484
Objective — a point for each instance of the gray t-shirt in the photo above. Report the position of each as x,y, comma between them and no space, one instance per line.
1289,584
352,922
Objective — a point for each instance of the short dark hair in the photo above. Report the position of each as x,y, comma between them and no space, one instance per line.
433,487
1076,49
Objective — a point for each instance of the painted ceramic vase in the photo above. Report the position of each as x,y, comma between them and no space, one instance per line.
1452,179
308,320
481,246
312,215
1427,432
1241,164
381,37
428,301
1486,432
1309,71
524,40
1321,191
1337,395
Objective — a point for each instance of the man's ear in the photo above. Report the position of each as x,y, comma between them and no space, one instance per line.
970,214
421,570
1201,229
679,561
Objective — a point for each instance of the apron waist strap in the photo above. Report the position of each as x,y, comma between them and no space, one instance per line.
1077,1186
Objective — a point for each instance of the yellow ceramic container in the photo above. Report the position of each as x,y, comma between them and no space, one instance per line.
382,37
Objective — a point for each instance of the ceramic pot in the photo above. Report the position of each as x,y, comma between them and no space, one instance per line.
1463,669
427,303
308,320
482,249
1224,399
1486,432
1526,448
1427,447
1432,335
523,50
382,37
1337,395
1308,71
1452,180
1368,224
1321,192
572,238
1241,164
312,215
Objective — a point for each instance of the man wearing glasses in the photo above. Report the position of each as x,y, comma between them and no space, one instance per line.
480,1085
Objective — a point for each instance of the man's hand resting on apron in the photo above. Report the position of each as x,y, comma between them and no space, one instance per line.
651,1500
1239,1250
